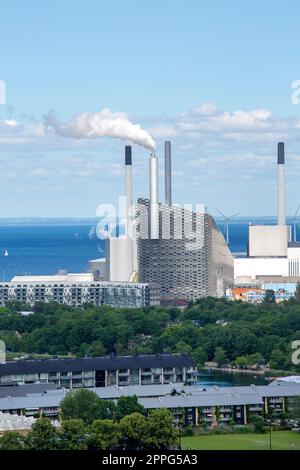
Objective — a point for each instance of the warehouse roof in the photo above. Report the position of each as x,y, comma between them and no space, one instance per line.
29,366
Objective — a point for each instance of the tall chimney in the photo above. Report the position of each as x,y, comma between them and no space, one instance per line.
281,220
154,210
128,178
168,179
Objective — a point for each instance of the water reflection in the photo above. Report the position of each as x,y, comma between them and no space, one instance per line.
209,377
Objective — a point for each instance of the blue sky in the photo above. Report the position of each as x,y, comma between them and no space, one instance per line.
213,76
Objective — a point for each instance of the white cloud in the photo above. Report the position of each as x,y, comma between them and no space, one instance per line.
214,150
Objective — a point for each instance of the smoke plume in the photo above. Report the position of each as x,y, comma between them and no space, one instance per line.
105,123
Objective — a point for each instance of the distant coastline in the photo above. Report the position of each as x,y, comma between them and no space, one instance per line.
38,221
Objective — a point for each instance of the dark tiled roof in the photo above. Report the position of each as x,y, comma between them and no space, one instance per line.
95,363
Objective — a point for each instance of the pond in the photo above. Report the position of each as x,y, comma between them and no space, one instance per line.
211,377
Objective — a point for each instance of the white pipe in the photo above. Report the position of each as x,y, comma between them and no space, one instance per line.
154,209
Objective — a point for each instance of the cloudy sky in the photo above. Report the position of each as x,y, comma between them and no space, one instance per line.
213,77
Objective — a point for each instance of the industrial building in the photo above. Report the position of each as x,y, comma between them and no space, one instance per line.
180,251
102,371
204,406
272,253
78,290
186,263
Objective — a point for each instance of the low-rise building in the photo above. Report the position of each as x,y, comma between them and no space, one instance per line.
78,290
102,371
195,406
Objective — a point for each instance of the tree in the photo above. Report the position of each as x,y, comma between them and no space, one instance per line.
258,424
297,293
269,297
11,440
161,431
242,361
43,435
86,405
104,434
134,428
128,405
277,360
199,355
72,435
220,356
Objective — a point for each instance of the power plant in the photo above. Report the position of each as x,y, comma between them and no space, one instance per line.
181,252
272,256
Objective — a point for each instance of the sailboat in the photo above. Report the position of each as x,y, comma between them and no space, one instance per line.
5,253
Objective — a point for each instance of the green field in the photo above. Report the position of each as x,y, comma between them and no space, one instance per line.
281,440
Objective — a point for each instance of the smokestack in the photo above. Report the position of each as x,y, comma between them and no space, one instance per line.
168,179
281,185
128,177
154,211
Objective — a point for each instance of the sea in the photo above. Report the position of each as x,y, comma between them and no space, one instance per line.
47,247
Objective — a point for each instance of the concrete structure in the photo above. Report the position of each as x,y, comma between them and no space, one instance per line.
98,268
154,207
77,290
210,406
268,241
118,259
263,266
270,250
120,250
189,260
102,371
168,174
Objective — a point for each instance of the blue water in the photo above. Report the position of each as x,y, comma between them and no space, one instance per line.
46,249
210,378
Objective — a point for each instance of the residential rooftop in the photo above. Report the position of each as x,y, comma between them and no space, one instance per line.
95,363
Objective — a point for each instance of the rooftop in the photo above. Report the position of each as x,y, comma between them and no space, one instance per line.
159,396
69,277
95,363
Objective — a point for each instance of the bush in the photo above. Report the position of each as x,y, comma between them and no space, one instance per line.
188,431
258,424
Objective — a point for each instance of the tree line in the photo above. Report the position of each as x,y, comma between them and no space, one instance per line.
209,330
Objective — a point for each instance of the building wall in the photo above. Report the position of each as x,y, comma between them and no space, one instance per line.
120,295
115,377
119,253
268,240
245,267
190,259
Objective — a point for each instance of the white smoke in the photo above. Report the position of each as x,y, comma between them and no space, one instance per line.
105,123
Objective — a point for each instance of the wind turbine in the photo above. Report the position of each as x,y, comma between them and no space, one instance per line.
227,220
295,223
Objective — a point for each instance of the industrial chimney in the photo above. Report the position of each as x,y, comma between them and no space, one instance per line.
281,220
154,209
168,179
128,179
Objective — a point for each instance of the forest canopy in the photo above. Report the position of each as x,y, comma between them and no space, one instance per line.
209,330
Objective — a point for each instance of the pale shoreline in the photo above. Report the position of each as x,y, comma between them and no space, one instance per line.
238,371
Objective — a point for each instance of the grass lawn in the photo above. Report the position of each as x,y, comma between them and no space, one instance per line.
281,440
